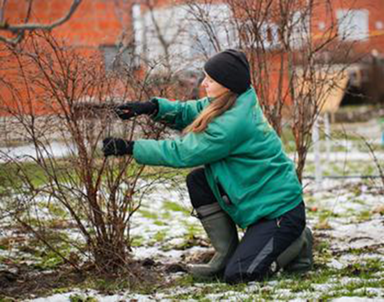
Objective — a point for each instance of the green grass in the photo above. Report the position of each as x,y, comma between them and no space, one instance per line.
159,223
14,175
200,293
55,209
293,284
160,236
11,175
148,214
363,216
173,206
137,241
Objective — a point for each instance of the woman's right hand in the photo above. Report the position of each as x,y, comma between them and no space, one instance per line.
132,109
117,146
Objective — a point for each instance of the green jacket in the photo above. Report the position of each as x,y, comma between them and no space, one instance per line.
239,149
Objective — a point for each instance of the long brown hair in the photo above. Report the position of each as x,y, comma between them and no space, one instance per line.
217,107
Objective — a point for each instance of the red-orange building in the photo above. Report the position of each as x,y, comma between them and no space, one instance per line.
100,25
94,23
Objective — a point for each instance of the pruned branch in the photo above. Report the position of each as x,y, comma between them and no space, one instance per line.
19,29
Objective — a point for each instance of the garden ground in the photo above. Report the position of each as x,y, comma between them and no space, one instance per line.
346,216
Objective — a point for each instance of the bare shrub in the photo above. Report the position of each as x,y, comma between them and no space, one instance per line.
62,98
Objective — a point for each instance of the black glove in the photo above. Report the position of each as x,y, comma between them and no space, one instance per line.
117,146
128,110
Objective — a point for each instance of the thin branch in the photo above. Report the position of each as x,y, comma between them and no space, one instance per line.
13,41
29,11
375,159
48,244
19,29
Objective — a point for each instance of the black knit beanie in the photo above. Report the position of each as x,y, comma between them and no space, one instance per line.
230,68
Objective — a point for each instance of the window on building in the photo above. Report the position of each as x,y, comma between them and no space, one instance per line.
263,35
269,32
353,24
201,42
299,28
214,35
180,35
114,60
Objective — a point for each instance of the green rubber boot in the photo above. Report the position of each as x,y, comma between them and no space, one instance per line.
298,257
222,232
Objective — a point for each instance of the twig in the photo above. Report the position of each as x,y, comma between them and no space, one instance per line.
20,29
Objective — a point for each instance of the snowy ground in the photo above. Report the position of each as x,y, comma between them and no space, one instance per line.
348,227
347,220
346,216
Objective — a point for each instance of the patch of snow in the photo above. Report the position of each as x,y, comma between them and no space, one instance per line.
349,280
176,241
357,299
227,296
336,264
283,292
346,156
100,298
358,235
322,287
369,290
27,152
348,258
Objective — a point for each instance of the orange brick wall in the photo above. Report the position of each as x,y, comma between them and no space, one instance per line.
94,23
100,22
375,9
321,14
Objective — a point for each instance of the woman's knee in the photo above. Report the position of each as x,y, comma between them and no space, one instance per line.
193,177
235,271
232,276
198,189
190,178
236,274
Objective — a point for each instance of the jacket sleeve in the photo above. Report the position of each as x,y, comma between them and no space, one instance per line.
194,149
179,115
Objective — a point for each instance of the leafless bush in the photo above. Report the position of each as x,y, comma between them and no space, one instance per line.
81,190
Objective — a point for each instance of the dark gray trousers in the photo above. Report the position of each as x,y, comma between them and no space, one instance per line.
262,242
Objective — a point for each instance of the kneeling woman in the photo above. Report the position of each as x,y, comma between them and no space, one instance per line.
246,178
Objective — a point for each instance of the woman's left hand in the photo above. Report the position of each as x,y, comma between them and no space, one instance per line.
117,146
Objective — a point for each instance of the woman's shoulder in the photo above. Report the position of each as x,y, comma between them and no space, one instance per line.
237,119
244,105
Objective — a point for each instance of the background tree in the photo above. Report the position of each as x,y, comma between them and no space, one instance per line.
294,67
